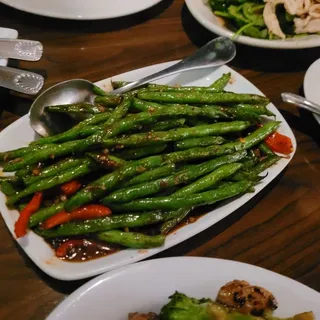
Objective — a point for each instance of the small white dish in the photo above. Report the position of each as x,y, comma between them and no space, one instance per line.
82,10
202,12
146,286
9,34
311,85
20,133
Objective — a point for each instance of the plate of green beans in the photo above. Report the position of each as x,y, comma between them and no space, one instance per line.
139,173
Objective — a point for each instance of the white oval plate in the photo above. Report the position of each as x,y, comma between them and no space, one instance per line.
82,10
146,286
311,85
202,12
20,134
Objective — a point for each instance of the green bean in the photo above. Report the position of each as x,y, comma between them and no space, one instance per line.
159,87
143,118
194,200
120,111
106,183
77,131
143,139
265,150
45,213
86,167
108,100
202,98
166,125
106,161
198,142
25,171
132,239
152,175
98,91
170,224
81,107
7,188
119,84
138,153
129,220
52,170
258,109
209,180
222,82
9,178
17,153
54,151
211,112
253,173
181,177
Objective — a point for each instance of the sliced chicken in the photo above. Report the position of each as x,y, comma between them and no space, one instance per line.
314,11
271,21
308,25
245,298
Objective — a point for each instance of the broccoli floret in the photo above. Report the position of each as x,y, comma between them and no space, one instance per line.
182,307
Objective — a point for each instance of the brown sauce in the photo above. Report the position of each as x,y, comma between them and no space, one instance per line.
82,250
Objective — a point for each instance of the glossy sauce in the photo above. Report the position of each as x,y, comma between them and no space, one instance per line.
92,250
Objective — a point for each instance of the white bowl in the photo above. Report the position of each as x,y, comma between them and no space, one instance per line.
202,12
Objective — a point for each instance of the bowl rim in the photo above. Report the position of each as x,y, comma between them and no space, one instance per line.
310,41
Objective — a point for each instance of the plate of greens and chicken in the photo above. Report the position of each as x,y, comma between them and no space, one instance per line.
277,24
191,288
141,172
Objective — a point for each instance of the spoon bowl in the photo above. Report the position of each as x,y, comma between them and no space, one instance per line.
215,53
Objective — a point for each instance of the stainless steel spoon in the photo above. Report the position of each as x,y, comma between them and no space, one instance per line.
300,102
215,53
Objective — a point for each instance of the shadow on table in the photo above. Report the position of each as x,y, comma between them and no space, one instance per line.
14,18
260,59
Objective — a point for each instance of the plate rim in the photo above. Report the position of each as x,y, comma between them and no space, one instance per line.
101,279
67,16
305,90
134,256
254,42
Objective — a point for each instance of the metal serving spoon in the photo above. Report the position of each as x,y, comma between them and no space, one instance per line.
300,102
215,53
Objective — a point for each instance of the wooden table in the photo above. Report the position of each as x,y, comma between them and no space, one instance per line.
278,230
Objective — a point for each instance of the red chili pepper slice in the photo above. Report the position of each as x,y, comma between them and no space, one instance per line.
21,225
64,248
71,187
278,142
91,211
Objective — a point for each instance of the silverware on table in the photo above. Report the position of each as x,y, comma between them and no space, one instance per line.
19,80
28,50
300,102
215,53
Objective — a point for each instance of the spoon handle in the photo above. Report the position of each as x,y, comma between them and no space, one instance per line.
217,52
20,49
300,102
19,80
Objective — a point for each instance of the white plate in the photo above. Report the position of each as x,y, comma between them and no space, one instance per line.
20,134
82,10
311,85
9,34
202,12
145,287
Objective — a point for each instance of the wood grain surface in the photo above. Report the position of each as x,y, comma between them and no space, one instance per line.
278,230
